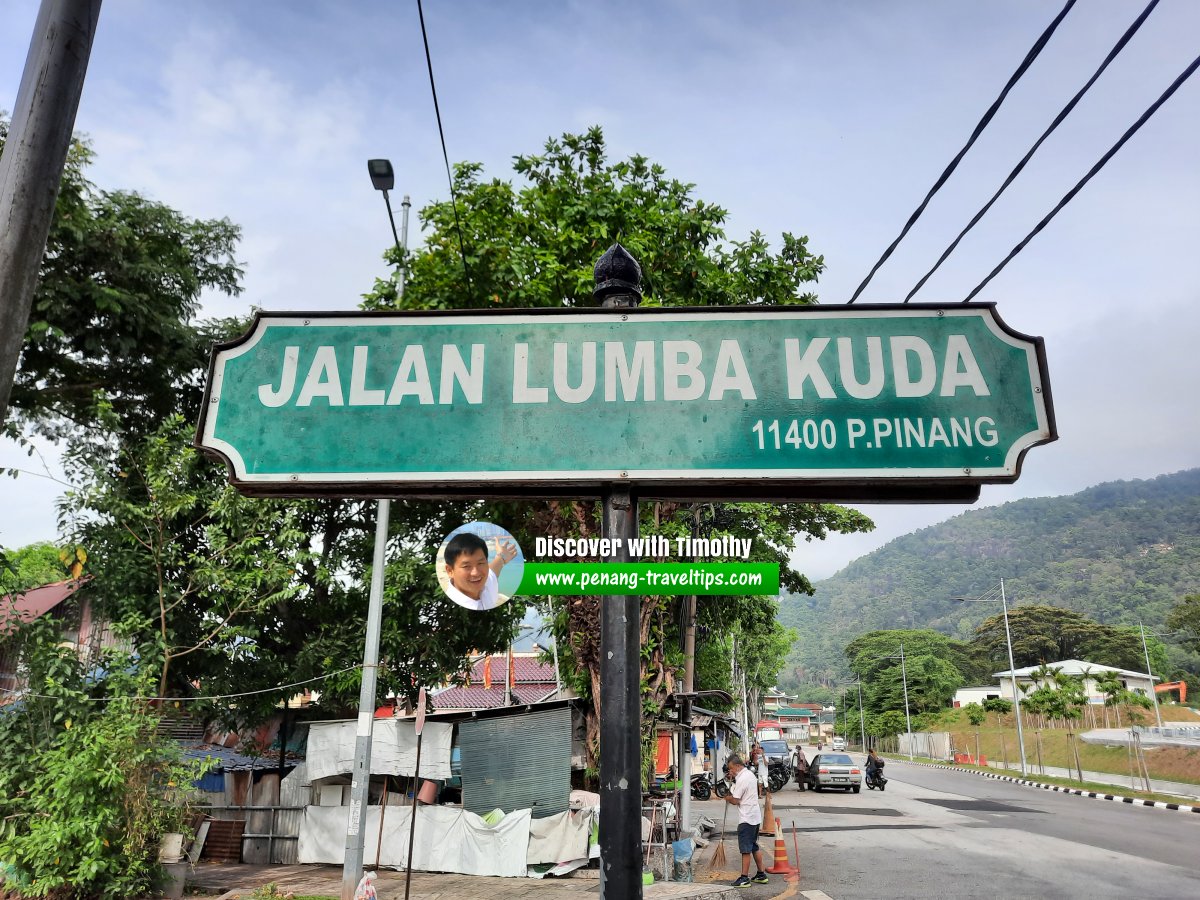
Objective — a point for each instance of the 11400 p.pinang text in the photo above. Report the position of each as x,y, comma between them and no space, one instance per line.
906,366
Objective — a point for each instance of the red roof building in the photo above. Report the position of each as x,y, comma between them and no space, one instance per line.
532,681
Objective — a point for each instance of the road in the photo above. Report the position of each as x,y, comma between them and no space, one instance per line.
938,833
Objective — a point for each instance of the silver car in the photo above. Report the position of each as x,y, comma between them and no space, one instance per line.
834,770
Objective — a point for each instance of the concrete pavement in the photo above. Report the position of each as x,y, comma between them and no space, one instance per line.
229,881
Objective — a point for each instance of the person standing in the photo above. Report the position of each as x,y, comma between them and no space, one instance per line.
744,795
758,765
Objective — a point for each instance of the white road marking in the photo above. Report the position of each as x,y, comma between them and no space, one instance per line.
815,895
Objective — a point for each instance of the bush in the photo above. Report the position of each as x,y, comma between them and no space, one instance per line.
87,786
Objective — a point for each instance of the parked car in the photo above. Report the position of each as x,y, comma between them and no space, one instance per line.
776,751
839,743
834,770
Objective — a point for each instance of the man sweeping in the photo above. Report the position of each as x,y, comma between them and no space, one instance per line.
744,795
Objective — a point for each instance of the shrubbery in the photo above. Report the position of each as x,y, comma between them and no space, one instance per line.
87,786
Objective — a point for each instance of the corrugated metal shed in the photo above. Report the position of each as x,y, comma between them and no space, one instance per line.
517,762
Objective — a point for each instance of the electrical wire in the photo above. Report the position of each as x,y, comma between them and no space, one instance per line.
1036,49
1070,195
271,690
1066,111
445,156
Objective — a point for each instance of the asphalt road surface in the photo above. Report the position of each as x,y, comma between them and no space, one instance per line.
945,834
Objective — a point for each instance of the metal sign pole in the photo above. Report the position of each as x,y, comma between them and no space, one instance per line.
620,718
618,279
361,776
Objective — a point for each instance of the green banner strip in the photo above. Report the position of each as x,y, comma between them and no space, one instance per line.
650,578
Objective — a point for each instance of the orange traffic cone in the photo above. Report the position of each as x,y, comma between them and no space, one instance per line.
767,829
781,866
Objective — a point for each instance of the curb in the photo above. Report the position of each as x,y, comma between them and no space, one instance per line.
1133,801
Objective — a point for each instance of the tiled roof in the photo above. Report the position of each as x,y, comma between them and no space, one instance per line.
36,602
479,697
526,670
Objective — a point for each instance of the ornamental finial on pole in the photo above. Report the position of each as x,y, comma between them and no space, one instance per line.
618,278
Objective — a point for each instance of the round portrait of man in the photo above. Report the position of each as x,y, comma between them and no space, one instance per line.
479,566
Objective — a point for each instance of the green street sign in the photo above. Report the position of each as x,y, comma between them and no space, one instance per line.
870,402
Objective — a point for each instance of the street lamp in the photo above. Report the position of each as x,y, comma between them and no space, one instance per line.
1012,666
383,179
904,680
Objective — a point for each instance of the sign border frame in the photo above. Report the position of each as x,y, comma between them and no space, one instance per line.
845,485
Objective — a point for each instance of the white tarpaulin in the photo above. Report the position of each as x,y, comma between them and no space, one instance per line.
448,839
393,748
560,838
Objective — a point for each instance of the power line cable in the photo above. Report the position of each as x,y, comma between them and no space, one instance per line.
1070,195
983,123
445,156
282,687
1066,111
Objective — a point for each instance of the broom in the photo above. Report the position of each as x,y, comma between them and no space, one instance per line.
718,857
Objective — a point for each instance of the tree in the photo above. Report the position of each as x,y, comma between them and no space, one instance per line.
119,285
183,561
30,566
932,678
1043,634
535,245
247,594
886,724
1185,617
976,714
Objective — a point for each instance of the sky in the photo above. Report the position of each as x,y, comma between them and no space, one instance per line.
829,119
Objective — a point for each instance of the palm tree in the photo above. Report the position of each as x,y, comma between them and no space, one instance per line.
1110,685
1085,675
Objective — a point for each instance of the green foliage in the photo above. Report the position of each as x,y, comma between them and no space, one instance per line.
535,244
998,705
1185,618
30,567
119,283
976,714
184,563
887,723
931,675
1118,553
87,786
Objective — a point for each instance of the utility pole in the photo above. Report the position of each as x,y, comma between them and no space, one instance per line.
907,717
862,719
1150,675
618,279
685,707
32,164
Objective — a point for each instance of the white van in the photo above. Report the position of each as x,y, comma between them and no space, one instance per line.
839,743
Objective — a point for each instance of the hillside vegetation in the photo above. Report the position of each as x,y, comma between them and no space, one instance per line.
1120,553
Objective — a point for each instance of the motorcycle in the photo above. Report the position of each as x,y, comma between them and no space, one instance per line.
876,779
702,787
721,787
779,773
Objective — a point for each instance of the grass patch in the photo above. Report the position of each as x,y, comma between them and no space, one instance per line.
1165,763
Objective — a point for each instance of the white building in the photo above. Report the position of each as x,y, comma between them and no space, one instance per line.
1134,681
966,695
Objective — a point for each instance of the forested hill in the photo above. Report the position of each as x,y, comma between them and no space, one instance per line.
1120,553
